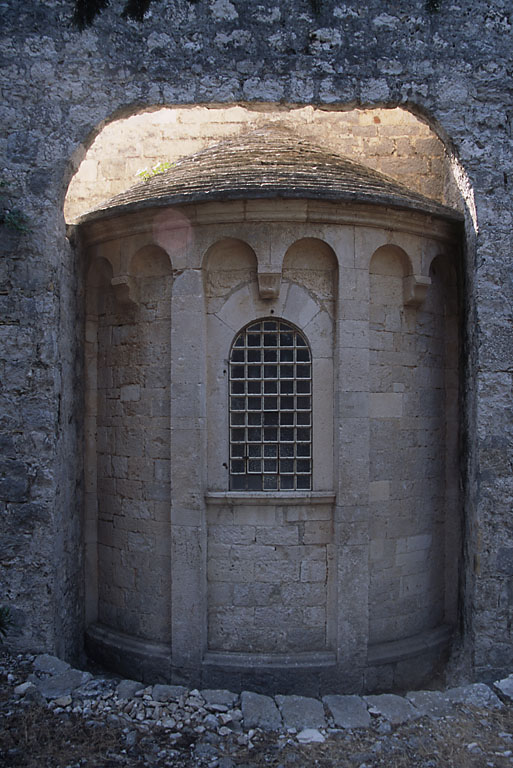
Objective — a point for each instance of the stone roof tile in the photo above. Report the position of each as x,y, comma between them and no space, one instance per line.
271,162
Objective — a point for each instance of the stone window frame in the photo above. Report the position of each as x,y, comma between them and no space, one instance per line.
270,414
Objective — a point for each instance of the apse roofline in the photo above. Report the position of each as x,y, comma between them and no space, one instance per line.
276,193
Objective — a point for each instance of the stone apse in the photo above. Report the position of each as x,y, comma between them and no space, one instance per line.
272,491
130,512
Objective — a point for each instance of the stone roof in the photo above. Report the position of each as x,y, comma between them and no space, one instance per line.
271,162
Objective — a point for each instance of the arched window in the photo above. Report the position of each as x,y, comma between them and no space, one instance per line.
270,408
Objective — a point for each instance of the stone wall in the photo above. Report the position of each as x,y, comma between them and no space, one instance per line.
60,87
413,404
128,439
268,577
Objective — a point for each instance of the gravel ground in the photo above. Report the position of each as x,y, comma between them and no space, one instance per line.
91,728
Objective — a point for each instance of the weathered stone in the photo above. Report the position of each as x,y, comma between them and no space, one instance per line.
505,687
23,688
348,711
474,695
301,712
166,692
219,696
127,689
310,736
62,684
260,711
63,701
431,703
393,708
50,664
460,82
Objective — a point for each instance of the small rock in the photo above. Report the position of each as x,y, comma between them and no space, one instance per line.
63,701
22,689
165,693
220,697
310,736
211,722
51,665
433,704
127,689
505,687
131,738
62,684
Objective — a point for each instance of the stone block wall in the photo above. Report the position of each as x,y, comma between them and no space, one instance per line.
60,87
128,458
268,577
414,510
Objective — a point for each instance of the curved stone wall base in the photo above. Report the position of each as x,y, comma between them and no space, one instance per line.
400,665
307,674
130,657
410,663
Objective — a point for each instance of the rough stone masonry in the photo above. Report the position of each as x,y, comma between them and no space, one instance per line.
60,87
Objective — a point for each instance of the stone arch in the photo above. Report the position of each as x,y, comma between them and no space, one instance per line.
233,255
313,263
228,263
390,261
150,261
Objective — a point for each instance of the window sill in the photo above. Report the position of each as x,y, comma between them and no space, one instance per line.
282,497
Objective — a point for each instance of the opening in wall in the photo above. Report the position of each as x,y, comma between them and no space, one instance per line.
270,408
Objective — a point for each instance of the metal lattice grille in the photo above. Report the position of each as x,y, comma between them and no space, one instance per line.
270,409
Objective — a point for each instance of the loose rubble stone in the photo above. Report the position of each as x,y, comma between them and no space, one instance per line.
260,711
216,745
50,664
22,689
222,697
62,685
301,712
348,711
63,701
431,703
128,688
167,692
505,687
474,695
393,708
310,736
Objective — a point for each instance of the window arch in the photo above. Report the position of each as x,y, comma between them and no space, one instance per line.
270,408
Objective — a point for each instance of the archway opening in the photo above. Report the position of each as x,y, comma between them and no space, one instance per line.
239,263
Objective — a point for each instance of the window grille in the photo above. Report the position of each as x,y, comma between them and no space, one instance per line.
270,408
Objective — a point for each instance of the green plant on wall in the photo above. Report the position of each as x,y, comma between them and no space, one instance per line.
148,173
10,216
